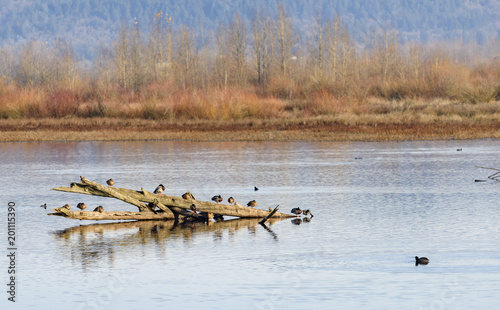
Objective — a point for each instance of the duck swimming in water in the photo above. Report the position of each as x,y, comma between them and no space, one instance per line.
217,198
81,206
252,203
255,188
159,189
421,261
296,211
110,182
99,209
230,200
44,206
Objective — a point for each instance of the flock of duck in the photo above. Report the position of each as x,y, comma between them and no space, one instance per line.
217,217
161,188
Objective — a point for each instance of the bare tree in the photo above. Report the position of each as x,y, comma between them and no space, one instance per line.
186,57
238,47
63,65
284,31
262,46
32,68
222,56
159,51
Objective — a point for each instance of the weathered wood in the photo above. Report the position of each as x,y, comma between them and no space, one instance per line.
112,215
494,176
269,215
162,207
172,202
115,194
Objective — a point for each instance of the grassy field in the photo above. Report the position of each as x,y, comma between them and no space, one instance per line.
378,121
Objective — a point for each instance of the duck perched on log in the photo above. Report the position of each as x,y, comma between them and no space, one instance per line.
193,208
81,206
159,189
230,200
173,207
110,182
99,209
188,195
217,199
66,206
252,203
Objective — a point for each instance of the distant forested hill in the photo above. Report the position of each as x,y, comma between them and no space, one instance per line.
87,23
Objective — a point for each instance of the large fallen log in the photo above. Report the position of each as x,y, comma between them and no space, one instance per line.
495,176
177,205
112,215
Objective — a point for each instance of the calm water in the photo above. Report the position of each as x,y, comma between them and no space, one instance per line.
376,206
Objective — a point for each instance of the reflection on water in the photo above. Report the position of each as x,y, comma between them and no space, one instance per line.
89,244
376,206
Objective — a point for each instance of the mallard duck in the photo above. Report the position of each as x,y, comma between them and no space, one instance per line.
252,203
99,209
110,182
193,208
421,261
66,206
296,211
44,206
307,212
230,200
81,206
217,198
159,189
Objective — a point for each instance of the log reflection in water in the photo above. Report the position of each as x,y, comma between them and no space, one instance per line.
90,244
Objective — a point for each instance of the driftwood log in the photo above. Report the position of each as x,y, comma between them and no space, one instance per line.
495,176
273,212
171,207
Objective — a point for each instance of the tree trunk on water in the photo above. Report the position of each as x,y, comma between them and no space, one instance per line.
176,205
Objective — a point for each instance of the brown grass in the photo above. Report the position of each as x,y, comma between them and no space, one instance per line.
381,120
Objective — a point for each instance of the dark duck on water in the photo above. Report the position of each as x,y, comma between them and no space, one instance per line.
421,260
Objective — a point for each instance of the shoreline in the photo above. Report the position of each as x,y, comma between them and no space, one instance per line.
313,129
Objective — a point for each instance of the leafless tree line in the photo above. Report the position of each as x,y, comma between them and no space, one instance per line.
266,50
